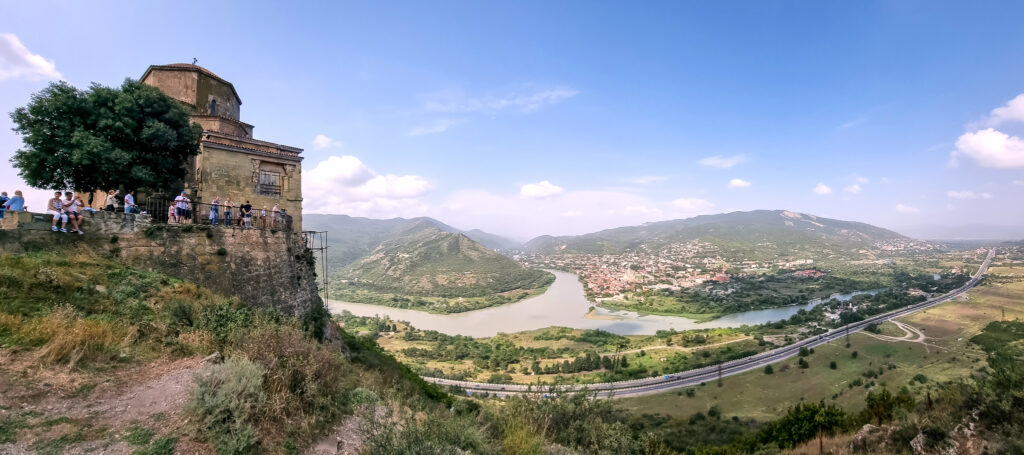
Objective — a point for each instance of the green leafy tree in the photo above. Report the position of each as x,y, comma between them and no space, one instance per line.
828,419
132,136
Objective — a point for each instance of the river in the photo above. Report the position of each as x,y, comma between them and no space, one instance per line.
564,305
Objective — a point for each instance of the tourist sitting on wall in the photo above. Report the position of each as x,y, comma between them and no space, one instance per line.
228,207
73,211
16,203
129,203
55,207
111,203
184,208
214,210
3,200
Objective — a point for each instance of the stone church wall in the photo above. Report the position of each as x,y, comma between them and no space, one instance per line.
231,175
261,268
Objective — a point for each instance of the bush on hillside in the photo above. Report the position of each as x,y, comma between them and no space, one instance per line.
226,402
306,383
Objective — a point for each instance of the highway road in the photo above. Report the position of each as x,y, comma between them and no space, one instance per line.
694,377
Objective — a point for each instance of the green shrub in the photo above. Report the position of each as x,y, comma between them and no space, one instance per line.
306,383
768,369
114,238
224,320
138,436
226,402
222,251
161,446
362,395
833,365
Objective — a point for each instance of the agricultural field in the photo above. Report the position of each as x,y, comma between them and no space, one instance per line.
946,354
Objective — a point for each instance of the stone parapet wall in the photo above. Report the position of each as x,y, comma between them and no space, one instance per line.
261,268
101,222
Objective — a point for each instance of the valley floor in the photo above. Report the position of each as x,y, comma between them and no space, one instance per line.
944,354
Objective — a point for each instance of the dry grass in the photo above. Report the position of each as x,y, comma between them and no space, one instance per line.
70,339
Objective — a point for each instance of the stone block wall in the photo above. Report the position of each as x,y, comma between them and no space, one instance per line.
261,268
232,175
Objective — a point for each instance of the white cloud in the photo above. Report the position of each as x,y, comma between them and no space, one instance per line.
540,190
693,205
437,126
454,101
990,148
723,162
860,179
853,189
343,184
572,213
905,209
1012,111
968,195
822,189
644,179
1018,182
17,61
739,183
322,142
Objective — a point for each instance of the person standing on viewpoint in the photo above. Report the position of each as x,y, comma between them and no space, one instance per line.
111,202
214,210
228,207
182,204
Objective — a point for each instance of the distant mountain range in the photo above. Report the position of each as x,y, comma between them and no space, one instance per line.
351,238
758,232
430,262
420,257
425,257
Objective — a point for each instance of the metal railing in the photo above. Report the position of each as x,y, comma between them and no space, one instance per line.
168,211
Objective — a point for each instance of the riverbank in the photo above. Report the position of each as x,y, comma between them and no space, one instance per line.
696,317
437,305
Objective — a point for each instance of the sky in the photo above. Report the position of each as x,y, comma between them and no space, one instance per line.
529,118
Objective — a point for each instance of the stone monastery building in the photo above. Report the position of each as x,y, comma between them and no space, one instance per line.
230,164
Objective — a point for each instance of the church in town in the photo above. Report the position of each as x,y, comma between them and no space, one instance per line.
231,163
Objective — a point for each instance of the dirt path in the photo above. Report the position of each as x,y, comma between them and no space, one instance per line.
151,396
911,335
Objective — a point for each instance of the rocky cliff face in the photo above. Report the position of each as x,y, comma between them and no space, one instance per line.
263,269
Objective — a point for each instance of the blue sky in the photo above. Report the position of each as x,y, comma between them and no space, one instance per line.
524,118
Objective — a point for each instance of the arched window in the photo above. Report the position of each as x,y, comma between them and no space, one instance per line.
213,107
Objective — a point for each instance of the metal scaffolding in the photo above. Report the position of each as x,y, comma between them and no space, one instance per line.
316,241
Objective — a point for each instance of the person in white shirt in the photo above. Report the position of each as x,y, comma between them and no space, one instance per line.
55,207
183,208
129,203
73,210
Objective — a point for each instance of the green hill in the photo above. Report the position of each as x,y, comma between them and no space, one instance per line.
442,271
351,238
759,233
